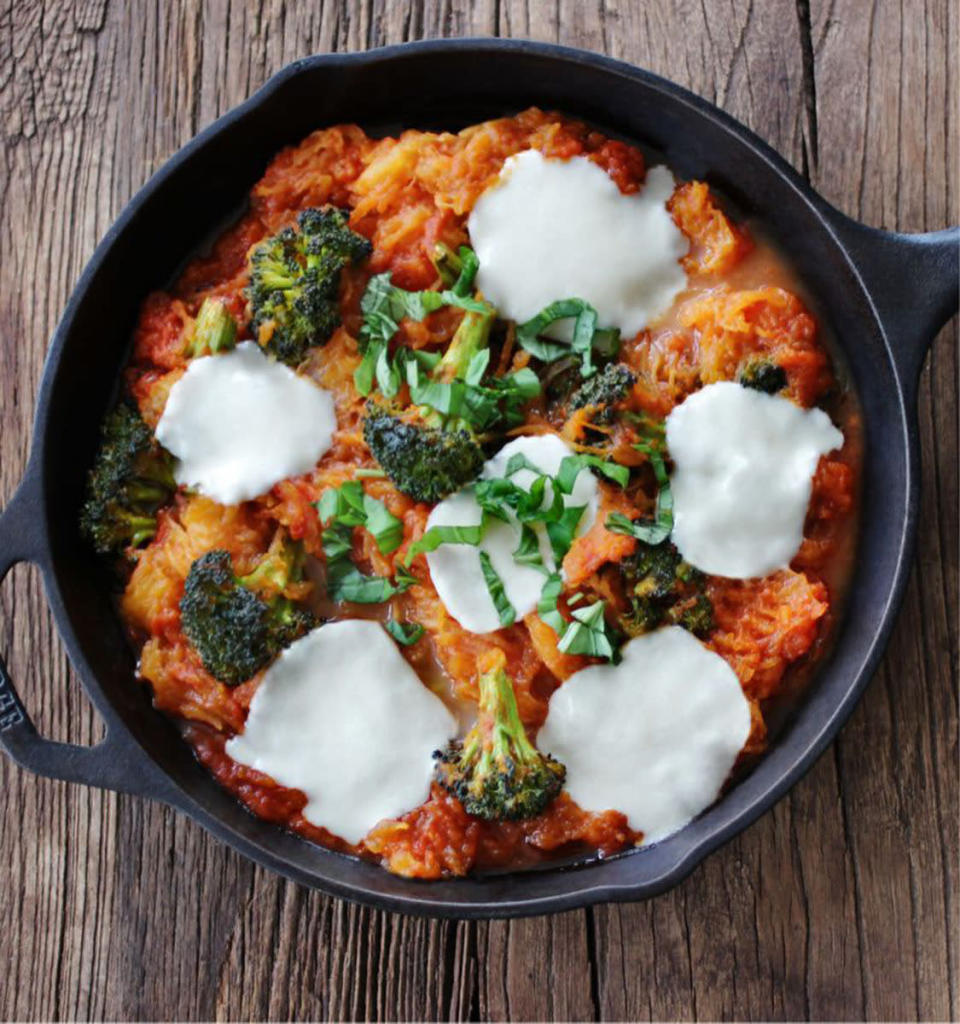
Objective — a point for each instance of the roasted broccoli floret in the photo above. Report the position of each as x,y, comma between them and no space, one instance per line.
695,615
763,375
131,479
239,624
295,281
427,463
214,330
426,453
603,391
495,771
663,589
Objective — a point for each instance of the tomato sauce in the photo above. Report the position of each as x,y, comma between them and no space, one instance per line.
407,194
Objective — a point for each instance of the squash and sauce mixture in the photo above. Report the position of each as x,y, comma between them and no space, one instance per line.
478,498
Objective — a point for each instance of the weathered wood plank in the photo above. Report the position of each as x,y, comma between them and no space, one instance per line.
887,154
841,903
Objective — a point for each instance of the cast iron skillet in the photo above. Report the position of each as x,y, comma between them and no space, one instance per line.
884,296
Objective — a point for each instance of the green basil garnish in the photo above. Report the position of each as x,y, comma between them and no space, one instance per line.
405,635
586,336
341,509
498,594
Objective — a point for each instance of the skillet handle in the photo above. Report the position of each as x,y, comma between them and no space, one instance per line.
914,281
114,763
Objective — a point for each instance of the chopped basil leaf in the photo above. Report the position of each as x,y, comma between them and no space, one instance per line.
341,509
528,550
477,367
586,336
481,406
547,605
653,531
365,373
344,580
438,535
469,265
498,594
349,505
404,578
386,528
562,530
344,504
384,305
587,634
572,465
519,461
405,635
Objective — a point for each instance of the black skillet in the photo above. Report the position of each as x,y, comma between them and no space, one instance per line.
883,295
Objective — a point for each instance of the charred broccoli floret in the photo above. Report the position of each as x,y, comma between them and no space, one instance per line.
131,479
432,454
239,624
427,463
763,375
214,330
663,589
495,771
295,281
603,391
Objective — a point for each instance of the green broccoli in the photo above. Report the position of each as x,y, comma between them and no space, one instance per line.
663,589
239,624
448,263
131,478
295,281
427,463
435,453
763,375
495,771
603,391
214,330
694,614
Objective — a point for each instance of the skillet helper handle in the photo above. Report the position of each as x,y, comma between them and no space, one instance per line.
111,763
914,281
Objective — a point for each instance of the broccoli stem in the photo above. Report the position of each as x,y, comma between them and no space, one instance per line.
279,567
214,330
448,263
496,772
472,336
498,700
142,529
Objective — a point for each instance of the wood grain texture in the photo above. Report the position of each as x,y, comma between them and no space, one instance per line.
841,903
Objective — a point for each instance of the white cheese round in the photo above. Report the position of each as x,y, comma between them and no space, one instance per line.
342,716
561,229
744,464
455,568
654,737
240,422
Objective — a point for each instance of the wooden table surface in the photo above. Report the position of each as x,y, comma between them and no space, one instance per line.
840,903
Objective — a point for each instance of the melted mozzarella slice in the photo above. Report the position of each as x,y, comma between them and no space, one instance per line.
240,422
455,568
558,229
341,716
654,737
744,464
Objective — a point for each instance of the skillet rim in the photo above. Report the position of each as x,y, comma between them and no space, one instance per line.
584,894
